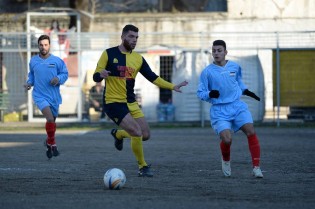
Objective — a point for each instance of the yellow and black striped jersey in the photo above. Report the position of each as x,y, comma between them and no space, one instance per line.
124,68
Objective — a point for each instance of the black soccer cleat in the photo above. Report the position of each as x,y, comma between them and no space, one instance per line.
118,142
49,152
145,171
55,151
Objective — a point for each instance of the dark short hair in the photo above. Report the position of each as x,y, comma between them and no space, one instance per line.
43,37
219,43
128,28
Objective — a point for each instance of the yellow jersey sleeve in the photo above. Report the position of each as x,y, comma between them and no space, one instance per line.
163,83
102,62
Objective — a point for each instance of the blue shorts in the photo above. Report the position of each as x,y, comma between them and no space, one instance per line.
42,103
230,116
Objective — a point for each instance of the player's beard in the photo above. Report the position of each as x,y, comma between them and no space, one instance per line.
44,52
128,46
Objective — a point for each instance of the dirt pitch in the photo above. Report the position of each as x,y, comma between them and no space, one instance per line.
185,161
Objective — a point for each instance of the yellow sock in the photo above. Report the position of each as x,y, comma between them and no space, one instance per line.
120,134
136,146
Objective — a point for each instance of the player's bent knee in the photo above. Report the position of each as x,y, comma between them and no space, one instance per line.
135,132
226,140
249,132
145,136
50,120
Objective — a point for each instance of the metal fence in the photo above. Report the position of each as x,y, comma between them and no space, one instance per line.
174,56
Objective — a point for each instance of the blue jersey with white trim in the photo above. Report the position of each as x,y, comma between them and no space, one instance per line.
226,79
42,71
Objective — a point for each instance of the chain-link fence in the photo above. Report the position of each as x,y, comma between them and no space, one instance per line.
264,58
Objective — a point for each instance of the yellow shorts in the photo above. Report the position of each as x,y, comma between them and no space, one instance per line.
117,111
135,110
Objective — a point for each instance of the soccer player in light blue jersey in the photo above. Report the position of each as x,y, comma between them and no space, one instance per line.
221,85
47,73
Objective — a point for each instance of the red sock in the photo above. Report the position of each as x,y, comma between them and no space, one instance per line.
50,130
254,149
225,150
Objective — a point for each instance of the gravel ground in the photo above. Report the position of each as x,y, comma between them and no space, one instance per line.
186,163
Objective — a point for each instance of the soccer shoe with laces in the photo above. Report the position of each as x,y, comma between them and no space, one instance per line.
145,171
118,142
226,168
257,172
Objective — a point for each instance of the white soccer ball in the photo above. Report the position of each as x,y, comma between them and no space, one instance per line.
114,178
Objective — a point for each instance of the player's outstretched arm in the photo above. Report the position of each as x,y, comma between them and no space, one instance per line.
251,94
178,86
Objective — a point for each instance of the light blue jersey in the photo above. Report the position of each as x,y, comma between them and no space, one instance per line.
227,111
42,71
226,79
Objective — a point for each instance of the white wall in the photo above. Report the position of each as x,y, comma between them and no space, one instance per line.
275,9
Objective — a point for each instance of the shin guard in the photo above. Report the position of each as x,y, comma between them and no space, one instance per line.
225,150
254,148
50,130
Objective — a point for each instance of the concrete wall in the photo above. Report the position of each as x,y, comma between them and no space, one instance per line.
271,9
242,15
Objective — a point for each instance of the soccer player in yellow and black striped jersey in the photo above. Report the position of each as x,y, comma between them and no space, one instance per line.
119,67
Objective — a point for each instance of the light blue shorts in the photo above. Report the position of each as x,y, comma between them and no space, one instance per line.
230,116
42,103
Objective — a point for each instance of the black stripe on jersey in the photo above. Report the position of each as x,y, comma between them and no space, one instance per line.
115,59
130,84
147,72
